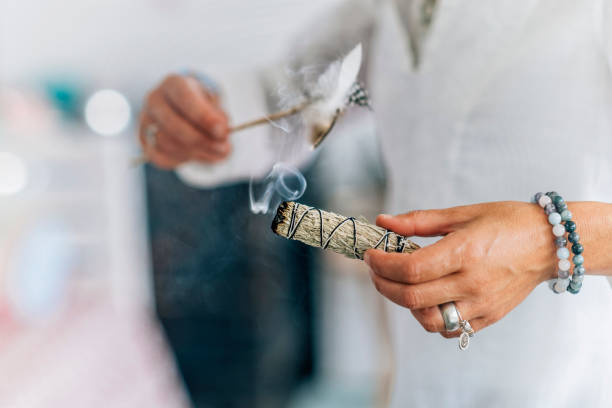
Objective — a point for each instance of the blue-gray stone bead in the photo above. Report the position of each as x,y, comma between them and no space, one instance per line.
563,253
570,226
560,242
558,230
576,285
579,270
561,285
537,196
557,199
577,248
578,259
578,278
573,291
561,207
573,237
564,265
562,274
566,215
544,200
554,218
550,208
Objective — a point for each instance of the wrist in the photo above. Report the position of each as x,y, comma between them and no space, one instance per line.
594,222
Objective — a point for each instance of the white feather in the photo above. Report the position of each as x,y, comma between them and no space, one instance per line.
330,93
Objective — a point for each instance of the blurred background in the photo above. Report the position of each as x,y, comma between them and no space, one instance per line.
122,286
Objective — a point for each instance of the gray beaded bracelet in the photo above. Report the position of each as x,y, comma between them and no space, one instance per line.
558,213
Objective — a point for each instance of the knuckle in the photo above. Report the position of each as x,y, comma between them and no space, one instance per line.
411,298
472,286
429,325
415,215
478,283
470,255
412,271
171,80
204,115
450,335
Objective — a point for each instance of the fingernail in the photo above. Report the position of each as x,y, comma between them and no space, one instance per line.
385,215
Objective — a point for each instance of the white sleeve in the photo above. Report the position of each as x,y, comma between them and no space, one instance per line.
251,95
606,27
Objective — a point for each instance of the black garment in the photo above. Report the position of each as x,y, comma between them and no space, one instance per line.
234,299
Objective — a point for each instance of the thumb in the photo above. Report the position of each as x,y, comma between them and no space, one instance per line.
424,223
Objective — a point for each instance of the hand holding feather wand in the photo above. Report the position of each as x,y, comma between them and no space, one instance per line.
321,104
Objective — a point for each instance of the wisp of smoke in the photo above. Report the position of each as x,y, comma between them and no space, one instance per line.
322,94
283,183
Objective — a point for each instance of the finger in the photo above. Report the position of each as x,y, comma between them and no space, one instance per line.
162,141
428,263
162,159
160,153
208,157
165,157
421,295
477,325
174,151
431,317
185,95
181,131
424,223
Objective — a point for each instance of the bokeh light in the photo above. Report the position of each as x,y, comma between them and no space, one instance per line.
107,112
13,174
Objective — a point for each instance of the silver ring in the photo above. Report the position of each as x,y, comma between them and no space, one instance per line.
450,315
150,132
466,333
453,321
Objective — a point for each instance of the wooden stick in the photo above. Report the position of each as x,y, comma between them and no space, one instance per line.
142,159
271,117
344,235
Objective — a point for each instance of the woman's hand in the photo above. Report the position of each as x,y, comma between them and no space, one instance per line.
187,123
491,257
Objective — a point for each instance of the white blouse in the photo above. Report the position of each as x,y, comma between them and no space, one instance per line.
509,98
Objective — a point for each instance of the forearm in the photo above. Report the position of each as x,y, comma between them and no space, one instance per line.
594,225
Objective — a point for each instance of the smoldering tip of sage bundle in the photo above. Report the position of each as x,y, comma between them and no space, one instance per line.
348,236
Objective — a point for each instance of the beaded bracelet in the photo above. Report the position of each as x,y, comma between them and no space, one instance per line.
558,213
